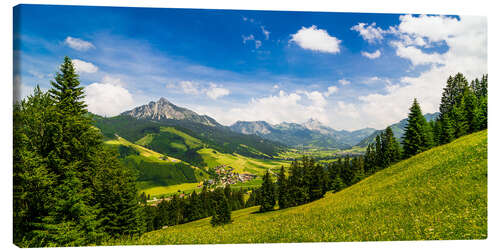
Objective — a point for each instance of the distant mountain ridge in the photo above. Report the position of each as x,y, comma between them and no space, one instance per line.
397,128
163,109
310,133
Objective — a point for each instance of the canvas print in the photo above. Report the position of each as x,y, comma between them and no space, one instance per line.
157,126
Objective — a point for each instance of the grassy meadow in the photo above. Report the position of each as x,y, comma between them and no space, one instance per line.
440,194
240,163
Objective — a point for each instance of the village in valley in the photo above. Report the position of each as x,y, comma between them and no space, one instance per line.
221,176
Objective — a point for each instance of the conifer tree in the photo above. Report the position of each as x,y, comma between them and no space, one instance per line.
416,138
267,194
447,133
65,154
379,154
470,108
370,159
283,195
222,213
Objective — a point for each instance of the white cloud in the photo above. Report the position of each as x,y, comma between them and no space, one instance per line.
467,53
84,67
78,44
344,82
21,91
276,108
189,87
211,90
316,39
107,98
370,33
265,32
331,90
373,55
215,91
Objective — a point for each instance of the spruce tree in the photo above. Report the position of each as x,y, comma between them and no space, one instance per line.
58,151
379,154
470,108
222,213
416,137
267,194
283,195
447,133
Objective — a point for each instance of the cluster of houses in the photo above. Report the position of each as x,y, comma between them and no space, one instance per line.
225,175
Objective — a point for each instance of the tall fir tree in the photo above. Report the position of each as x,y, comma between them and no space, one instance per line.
267,194
71,169
222,213
391,150
416,138
283,194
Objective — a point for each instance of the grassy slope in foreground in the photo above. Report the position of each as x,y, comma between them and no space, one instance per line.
439,194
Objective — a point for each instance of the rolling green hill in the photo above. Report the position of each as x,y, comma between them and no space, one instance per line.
181,139
438,194
240,163
152,168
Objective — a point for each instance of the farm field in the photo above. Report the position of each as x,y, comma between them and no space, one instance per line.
440,194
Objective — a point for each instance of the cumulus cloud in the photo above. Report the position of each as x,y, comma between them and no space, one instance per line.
370,33
84,67
344,82
78,44
316,39
189,87
467,41
331,90
296,107
373,55
107,98
214,91
211,90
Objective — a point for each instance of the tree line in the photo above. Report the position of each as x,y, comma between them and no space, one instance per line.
217,204
463,110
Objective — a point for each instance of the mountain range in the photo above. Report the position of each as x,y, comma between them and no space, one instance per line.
397,128
245,137
311,133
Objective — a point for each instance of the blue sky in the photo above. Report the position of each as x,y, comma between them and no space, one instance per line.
347,70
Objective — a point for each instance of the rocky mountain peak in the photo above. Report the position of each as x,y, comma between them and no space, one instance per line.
164,109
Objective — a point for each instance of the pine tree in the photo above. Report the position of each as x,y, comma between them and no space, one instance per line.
316,182
222,213
391,151
482,116
447,133
470,108
58,151
283,195
358,169
416,137
370,159
379,154
267,194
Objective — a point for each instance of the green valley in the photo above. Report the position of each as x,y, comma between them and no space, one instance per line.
437,194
